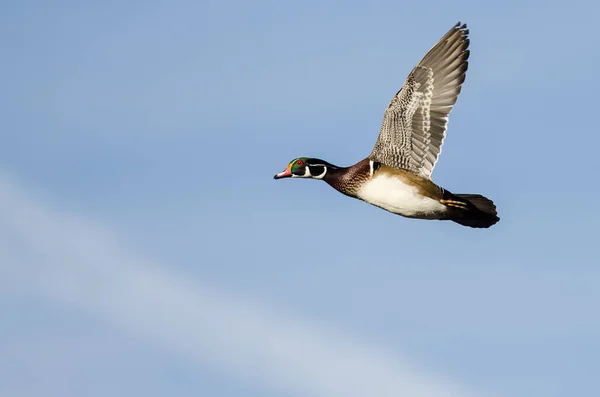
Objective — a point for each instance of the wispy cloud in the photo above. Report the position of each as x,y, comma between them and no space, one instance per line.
66,259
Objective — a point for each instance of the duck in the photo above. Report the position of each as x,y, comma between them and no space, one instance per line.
396,176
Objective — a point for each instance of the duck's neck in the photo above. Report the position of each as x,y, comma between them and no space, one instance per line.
334,174
347,180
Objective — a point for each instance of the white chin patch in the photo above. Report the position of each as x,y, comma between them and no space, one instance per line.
307,174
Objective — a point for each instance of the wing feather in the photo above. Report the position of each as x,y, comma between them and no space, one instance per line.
415,122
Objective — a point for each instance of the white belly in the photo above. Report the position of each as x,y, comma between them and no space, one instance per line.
394,195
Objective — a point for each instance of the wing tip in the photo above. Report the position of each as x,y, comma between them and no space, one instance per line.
461,26
461,29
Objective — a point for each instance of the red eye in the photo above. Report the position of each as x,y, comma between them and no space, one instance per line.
299,163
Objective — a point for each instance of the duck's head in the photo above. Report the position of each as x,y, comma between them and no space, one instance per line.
304,167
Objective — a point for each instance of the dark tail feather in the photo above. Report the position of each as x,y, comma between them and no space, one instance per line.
482,212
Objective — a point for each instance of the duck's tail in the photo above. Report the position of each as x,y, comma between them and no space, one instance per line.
476,211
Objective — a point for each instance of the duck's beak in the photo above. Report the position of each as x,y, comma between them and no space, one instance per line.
285,174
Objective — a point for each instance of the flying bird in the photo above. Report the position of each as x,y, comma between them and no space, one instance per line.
396,176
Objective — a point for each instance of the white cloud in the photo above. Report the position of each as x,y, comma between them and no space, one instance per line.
65,259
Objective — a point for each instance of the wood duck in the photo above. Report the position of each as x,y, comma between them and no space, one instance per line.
397,174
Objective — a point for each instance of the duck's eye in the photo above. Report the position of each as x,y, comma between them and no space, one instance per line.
299,163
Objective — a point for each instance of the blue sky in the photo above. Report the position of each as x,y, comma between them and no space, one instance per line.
147,250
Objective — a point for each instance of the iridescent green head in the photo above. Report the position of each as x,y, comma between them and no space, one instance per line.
304,167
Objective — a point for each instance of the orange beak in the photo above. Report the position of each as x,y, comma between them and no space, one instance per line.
285,174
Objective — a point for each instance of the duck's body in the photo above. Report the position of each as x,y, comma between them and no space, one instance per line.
400,193
397,175
403,193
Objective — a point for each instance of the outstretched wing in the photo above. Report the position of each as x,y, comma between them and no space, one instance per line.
414,124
